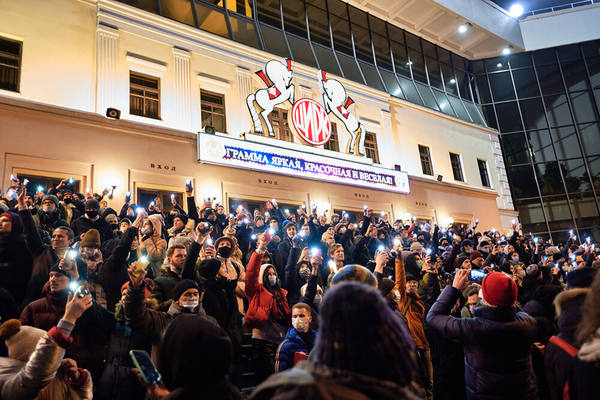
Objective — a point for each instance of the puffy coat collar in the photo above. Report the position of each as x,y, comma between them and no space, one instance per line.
560,299
498,314
293,336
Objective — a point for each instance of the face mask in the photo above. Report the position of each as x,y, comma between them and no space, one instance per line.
146,231
515,259
49,209
419,264
484,250
68,200
272,280
190,304
224,252
469,251
304,273
274,227
318,298
300,324
114,226
92,214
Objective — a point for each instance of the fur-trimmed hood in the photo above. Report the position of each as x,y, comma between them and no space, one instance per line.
566,295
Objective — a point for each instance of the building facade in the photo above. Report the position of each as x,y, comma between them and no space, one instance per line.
66,63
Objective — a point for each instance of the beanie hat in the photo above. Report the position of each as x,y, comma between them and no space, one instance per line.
127,220
7,215
209,267
581,277
354,272
3,207
57,269
52,198
475,254
229,239
338,226
499,290
460,260
466,243
410,277
91,239
92,204
416,246
385,286
533,270
182,217
287,223
182,286
20,340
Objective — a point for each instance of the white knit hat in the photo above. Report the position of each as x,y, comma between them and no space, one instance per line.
20,340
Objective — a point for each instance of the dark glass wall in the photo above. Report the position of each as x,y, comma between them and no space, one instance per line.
340,39
546,106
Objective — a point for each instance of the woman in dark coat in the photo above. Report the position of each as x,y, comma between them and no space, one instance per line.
15,260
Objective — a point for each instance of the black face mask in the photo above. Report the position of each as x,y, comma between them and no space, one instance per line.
92,214
224,252
114,226
68,200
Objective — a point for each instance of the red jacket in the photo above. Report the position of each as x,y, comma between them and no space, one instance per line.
262,302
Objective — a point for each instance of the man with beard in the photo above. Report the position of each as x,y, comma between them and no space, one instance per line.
49,214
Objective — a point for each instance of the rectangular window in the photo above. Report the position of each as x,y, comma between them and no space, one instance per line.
332,144
371,147
10,64
483,172
144,95
279,119
425,155
213,110
456,167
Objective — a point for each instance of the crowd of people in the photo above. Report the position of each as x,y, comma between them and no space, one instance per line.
332,308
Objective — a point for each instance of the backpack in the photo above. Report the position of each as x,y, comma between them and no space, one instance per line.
571,351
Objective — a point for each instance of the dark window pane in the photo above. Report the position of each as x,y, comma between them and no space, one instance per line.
474,112
390,82
483,173
520,60
594,165
293,18
10,64
585,210
545,56
429,49
449,79
319,25
400,59
459,108
496,64
274,41
444,56
425,156
350,68
569,53
490,116
508,117
525,82
463,85
443,103
427,96
522,181
541,145
268,12
575,76
458,61
533,113
360,33
433,70
409,90
483,89
590,137
584,107
576,177
371,75
565,142
412,41
515,148
478,66
456,167
591,49
342,41
557,212
382,51
549,178
301,51
179,10
417,65
550,79
211,20
326,59
558,110
244,31
531,214
594,69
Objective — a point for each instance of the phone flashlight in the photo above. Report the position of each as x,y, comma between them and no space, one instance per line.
476,221
314,251
382,213
172,196
365,207
139,210
355,225
71,180
267,214
301,233
253,237
188,182
428,251
40,188
588,239
513,221
303,207
12,177
571,232
73,286
246,220
272,200
25,181
287,211
332,266
230,215
152,204
271,231
397,242
414,235
381,248
209,241
72,254
535,240
128,195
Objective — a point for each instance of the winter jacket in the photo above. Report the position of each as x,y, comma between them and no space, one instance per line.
291,345
584,378
162,291
91,333
24,381
15,262
497,345
412,307
84,224
318,382
49,222
557,362
154,246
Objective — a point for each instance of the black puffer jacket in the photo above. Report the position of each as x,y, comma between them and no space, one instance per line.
15,261
497,345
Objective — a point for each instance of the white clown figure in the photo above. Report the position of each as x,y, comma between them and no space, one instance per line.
277,75
337,102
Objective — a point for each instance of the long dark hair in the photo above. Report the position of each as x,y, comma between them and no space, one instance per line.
590,311
360,333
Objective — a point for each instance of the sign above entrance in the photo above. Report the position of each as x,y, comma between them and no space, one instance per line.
239,153
309,119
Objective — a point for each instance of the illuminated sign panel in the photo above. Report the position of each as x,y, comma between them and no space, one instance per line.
311,121
243,154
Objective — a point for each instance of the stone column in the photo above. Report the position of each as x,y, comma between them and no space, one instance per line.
107,38
182,81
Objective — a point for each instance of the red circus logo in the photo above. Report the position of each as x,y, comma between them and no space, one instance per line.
311,121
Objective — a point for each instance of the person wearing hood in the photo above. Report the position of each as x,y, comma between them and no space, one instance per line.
182,226
229,254
362,351
151,243
198,371
91,220
299,339
34,357
89,264
90,336
584,373
15,260
49,213
268,314
558,355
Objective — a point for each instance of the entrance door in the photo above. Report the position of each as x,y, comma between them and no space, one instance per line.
41,183
146,196
259,204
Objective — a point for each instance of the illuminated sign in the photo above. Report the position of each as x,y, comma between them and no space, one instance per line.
239,153
310,120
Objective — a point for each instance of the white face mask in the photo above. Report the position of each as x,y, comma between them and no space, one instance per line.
190,304
515,259
49,208
272,280
300,324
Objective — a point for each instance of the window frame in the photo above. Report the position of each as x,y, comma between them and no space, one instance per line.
460,167
375,149
430,160
276,117
333,140
213,105
19,59
145,88
485,172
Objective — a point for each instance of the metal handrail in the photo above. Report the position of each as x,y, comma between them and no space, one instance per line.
558,8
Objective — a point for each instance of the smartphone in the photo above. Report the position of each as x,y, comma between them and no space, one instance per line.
144,364
269,233
188,185
142,264
476,276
